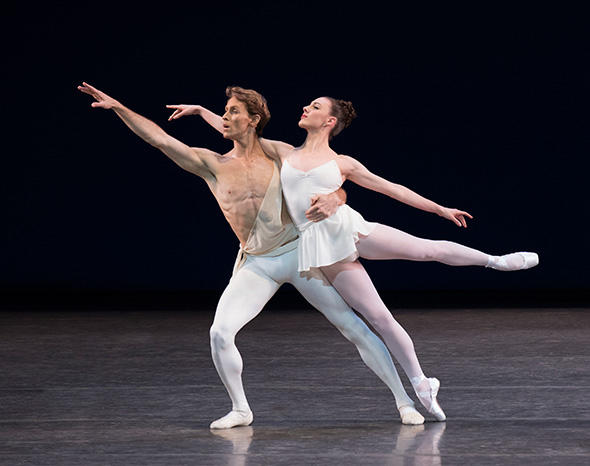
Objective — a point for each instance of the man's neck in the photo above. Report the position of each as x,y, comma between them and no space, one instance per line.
246,146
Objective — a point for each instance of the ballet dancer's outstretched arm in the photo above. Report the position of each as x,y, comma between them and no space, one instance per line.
389,243
193,159
180,110
356,172
277,150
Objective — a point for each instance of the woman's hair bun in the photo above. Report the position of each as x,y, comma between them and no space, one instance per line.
344,112
348,112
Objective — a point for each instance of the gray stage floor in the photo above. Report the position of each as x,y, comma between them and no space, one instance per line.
139,388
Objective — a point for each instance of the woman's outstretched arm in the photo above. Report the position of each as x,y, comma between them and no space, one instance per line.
277,150
216,121
356,172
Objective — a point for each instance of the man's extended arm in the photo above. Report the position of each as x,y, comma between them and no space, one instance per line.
193,160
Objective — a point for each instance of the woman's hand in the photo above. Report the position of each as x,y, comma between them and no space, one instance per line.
455,216
184,110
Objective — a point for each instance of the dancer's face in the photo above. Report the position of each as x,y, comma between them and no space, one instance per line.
236,119
317,114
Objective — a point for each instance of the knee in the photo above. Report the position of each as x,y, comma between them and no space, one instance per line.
435,250
220,338
383,323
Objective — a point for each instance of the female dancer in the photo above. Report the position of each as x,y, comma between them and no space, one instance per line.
334,244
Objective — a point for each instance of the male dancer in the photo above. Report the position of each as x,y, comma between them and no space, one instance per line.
246,185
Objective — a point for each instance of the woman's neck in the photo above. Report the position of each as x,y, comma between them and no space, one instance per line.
316,141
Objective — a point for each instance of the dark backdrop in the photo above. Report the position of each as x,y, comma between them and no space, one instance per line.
480,109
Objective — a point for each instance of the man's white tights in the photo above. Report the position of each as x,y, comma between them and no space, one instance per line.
251,288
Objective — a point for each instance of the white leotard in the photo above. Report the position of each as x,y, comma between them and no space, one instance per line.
333,239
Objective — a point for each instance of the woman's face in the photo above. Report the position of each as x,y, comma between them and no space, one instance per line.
316,114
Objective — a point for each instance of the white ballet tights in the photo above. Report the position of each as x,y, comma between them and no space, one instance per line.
355,286
250,289
386,242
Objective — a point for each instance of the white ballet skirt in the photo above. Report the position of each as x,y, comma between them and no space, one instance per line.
333,239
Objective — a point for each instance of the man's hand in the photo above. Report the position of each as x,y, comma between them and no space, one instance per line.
184,110
323,206
102,100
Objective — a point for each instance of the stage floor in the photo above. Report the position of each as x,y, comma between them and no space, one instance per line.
139,388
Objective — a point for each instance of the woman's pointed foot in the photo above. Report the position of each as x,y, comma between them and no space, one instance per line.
513,261
427,390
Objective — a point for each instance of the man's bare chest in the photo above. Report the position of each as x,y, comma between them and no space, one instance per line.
244,182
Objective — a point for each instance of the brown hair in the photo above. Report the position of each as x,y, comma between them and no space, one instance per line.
255,104
344,112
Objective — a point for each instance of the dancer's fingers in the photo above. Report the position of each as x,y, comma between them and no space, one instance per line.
85,90
91,91
90,87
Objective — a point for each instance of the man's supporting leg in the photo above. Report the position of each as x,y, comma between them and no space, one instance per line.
243,299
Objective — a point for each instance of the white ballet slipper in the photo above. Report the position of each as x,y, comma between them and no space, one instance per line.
505,264
530,259
233,419
410,416
428,397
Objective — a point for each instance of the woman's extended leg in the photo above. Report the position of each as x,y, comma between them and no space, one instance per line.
386,242
354,285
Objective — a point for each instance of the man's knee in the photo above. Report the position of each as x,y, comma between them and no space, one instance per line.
220,338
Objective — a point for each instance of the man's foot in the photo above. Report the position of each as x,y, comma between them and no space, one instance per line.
233,419
410,416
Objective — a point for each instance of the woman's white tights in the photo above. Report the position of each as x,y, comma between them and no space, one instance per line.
354,285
